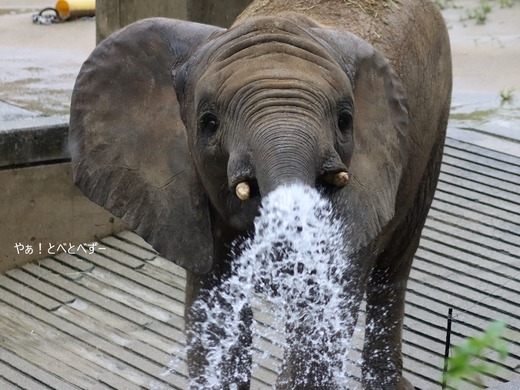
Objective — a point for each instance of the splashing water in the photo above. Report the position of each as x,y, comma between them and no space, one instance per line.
296,263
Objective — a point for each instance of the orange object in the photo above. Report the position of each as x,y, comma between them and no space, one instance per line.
75,8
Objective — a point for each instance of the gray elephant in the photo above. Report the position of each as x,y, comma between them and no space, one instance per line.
180,129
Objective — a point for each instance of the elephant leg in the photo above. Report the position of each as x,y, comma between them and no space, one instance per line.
386,288
235,367
382,358
306,366
316,361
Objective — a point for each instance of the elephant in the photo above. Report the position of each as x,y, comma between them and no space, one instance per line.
181,129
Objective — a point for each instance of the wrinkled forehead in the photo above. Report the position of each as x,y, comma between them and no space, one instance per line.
273,53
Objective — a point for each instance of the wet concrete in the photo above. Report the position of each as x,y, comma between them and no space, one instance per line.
39,64
484,119
486,75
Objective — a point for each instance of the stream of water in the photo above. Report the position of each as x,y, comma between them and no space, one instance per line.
293,269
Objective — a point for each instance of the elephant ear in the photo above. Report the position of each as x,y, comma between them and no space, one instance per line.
128,144
381,133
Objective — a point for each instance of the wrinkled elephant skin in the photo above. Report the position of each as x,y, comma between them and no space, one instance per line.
180,129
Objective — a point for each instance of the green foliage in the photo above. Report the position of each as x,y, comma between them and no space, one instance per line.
468,359
443,4
507,95
508,3
479,14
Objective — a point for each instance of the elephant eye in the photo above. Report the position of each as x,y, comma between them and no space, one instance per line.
345,121
209,123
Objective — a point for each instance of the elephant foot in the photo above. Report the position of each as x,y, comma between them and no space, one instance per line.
404,384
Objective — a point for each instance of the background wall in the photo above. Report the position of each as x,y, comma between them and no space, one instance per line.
112,15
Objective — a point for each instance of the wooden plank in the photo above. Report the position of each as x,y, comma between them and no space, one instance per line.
424,344
466,199
86,294
418,368
504,175
62,270
75,352
110,380
468,320
52,362
149,369
169,331
44,288
481,256
75,262
156,338
132,237
456,267
18,378
149,296
119,337
482,193
125,259
418,349
492,304
155,270
506,183
479,301
468,190
498,162
28,293
487,156
5,385
502,146
133,250
137,276
128,301
458,215
34,371
67,351
165,265
476,237
133,290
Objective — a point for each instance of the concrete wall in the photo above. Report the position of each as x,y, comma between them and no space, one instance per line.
41,207
111,15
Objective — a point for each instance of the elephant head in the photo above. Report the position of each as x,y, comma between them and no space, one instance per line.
268,102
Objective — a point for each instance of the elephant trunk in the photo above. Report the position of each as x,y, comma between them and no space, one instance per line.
282,151
285,154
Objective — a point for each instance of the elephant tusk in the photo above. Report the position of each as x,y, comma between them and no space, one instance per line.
339,179
242,190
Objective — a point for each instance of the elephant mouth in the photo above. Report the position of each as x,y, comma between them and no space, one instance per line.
326,183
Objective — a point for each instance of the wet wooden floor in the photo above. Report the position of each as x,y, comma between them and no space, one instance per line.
114,319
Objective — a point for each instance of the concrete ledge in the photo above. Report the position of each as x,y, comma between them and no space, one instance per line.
33,141
42,209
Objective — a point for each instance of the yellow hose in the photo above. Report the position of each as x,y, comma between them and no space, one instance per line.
76,8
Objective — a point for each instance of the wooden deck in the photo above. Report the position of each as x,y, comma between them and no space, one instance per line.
113,319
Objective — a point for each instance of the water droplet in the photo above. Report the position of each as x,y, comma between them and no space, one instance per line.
299,277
